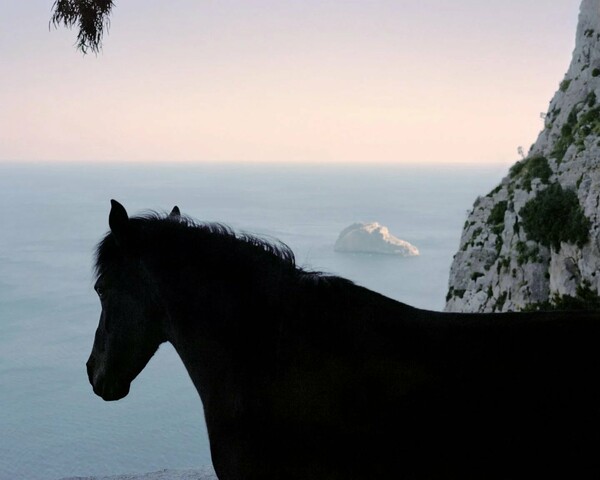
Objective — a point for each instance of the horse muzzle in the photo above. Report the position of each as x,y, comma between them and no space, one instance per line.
107,390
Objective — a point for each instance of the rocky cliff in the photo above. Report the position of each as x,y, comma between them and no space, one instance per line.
534,241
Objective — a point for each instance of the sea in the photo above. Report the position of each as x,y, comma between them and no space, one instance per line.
53,214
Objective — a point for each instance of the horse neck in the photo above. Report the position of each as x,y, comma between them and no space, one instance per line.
223,326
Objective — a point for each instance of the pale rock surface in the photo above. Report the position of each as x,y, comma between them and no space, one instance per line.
372,238
206,473
497,267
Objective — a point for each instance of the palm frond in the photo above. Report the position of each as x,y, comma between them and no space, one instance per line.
91,17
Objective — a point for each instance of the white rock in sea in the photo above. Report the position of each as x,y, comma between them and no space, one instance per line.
372,238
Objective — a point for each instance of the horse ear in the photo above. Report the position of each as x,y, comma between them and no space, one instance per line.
175,213
118,220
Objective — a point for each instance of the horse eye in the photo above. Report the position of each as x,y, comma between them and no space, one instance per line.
99,291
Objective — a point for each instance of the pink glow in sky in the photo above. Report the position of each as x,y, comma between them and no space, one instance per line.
278,81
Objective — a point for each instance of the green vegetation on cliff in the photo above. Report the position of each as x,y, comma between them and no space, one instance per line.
555,216
585,299
530,168
578,127
496,218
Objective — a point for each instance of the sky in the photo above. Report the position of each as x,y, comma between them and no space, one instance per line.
395,81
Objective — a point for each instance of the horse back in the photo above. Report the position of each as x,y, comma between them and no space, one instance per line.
419,394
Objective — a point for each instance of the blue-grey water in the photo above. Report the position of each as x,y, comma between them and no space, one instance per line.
51,216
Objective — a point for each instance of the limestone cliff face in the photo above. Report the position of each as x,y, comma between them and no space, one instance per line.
536,237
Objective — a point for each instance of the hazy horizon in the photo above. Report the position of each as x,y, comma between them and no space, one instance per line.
286,81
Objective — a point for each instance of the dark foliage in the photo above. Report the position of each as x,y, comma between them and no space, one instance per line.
530,168
584,299
91,17
555,216
567,136
496,218
579,126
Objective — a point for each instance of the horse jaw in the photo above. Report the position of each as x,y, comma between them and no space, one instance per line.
112,393
109,392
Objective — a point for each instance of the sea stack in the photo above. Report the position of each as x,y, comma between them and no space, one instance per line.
372,238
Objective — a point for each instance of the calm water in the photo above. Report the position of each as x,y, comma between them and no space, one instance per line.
51,424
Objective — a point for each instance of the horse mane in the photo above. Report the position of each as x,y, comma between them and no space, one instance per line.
163,229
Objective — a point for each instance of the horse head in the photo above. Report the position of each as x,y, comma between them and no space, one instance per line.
130,329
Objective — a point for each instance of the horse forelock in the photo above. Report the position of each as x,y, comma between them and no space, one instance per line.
106,251
154,227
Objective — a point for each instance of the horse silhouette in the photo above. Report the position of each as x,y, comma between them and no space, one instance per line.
308,376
